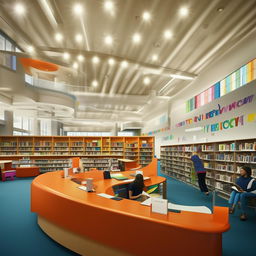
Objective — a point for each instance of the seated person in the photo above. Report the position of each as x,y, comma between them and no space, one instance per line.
246,189
136,188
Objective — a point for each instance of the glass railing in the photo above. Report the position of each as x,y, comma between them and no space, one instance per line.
56,86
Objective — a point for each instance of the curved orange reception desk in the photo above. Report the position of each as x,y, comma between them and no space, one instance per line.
92,225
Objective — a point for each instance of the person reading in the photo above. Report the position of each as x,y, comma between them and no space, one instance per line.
136,188
244,188
200,171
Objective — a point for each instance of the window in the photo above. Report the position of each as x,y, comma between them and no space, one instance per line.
45,127
96,134
125,133
22,123
8,46
1,114
2,43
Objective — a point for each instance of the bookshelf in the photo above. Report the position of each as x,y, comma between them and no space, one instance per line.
99,163
222,160
52,153
146,150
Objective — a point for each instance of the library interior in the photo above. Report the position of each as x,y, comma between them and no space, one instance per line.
128,127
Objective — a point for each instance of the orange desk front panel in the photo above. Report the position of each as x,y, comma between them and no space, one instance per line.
27,171
126,226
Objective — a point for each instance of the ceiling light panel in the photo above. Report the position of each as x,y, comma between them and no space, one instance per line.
136,38
58,37
94,83
108,40
146,16
78,9
168,34
95,60
183,11
66,55
79,38
80,58
111,61
19,9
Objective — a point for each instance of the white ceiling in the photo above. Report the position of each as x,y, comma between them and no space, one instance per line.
209,30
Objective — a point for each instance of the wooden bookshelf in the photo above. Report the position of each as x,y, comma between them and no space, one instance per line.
53,152
222,160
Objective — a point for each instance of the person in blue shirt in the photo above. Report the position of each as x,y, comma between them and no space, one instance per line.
136,188
200,171
246,189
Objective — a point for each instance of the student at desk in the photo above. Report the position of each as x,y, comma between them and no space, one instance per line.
136,188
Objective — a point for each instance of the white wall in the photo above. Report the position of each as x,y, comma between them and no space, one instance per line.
234,59
247,130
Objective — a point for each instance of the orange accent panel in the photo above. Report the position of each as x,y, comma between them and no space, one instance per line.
27,171
38,64
126,225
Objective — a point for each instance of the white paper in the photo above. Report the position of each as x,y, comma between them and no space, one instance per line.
105,195
159,205
146,202
145,193
83,188
200,209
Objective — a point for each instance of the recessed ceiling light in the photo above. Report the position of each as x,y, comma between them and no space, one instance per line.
95,59
108,5
94,83
124,64
111,61
168,34
58,37
66,55
78,9
182,77
146,16
75,65
220,9
30,49
19,8
80,58
183,11
79,38
154,57
146,81
136,38
108,40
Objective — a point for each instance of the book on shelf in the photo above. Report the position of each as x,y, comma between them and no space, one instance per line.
247,146
227,147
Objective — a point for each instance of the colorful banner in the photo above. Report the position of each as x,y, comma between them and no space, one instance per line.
238,78
230,123
215,112
156,131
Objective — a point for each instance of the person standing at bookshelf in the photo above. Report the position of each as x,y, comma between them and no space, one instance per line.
200,171
244,188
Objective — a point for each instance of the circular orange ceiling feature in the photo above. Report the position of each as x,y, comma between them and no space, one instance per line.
38,64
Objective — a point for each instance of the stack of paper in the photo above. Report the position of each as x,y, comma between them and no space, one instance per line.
105,195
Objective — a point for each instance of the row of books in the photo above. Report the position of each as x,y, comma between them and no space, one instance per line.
225,167
247,146
227,147
246,158
226,157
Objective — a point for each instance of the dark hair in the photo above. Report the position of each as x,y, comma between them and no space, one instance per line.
139,181
248,170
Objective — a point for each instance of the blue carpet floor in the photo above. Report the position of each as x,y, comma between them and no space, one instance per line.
20,234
